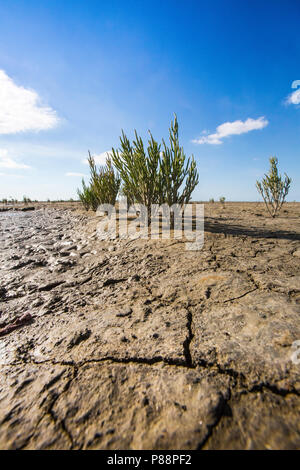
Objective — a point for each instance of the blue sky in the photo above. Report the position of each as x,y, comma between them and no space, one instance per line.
74,73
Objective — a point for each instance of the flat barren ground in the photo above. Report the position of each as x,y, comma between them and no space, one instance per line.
140,344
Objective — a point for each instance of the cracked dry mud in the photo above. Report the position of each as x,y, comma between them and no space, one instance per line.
144,345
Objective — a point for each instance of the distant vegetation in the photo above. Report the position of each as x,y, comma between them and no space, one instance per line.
26,200
9,201
222,200
273,188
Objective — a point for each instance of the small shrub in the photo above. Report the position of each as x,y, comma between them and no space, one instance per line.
211,200
139,170
103,188
178,175
105,182
273,188
86,196
151,176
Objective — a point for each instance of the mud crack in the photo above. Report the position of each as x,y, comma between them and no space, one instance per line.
188,340
50,412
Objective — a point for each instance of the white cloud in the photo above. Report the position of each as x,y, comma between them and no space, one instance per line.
20,109
232,128
293,98
76,174
100,159
7,162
